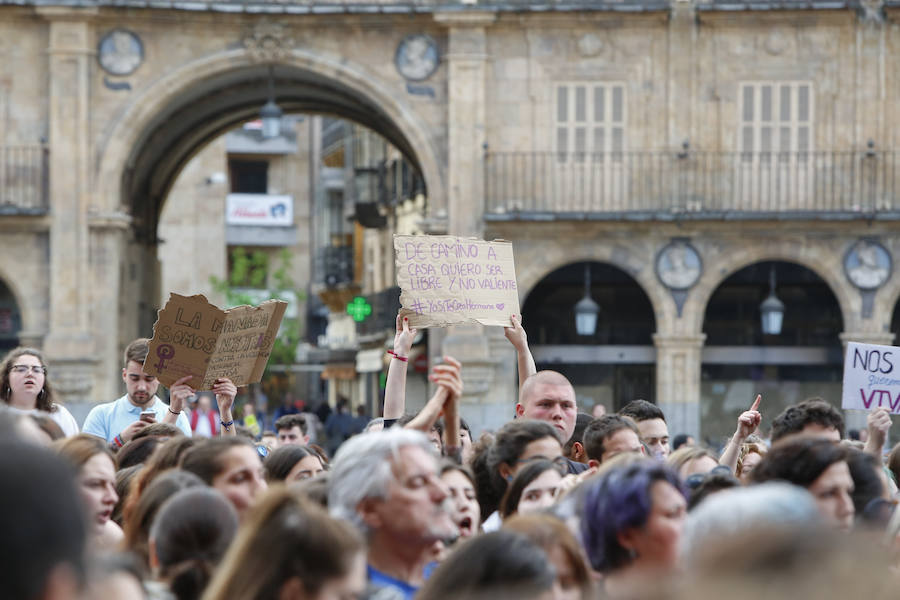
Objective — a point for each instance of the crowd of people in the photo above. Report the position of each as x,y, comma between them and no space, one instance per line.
556,504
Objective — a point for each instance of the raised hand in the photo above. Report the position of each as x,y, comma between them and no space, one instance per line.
179,394
749,421
449,376
878,423
403,338
516,334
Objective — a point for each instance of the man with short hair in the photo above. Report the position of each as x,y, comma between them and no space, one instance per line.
651,423
610,436
812,416
291,430
118,421
388,484
548,396
574,448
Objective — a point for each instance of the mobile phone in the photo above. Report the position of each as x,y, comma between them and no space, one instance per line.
148,416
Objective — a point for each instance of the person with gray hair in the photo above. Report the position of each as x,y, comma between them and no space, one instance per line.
388,484
739,511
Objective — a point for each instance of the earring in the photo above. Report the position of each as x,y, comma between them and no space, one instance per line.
41,394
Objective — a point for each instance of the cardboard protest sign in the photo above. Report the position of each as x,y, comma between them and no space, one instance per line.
871,377
193,337
445,280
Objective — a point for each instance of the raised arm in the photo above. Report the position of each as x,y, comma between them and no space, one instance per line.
225,392
445,401
878,423
395,385
517,337
747,424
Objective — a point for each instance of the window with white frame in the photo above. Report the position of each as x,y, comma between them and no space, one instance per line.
590,120
776,120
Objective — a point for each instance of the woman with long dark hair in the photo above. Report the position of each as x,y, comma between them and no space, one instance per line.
25,388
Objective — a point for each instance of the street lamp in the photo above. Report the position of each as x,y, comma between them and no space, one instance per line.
271,113
586,310
772,309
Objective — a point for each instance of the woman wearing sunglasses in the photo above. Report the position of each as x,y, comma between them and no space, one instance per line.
24,387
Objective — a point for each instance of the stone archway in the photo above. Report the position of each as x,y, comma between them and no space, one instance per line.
116,162
722,265
536,260
611,364
14,315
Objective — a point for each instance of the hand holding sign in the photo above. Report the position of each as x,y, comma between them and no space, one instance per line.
403,338
749,421
194,340
179,393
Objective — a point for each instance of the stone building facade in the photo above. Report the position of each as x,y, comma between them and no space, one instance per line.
598,132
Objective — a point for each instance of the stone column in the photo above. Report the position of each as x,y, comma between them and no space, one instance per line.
69,343
488,360
678,360
856,419
466,113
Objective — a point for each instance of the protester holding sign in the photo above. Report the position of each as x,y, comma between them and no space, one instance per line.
118,421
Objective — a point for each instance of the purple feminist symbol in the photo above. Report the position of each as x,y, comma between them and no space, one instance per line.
164,352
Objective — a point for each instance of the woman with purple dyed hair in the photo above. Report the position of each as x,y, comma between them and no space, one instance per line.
631,525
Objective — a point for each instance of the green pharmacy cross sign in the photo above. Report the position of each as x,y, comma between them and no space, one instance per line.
359,309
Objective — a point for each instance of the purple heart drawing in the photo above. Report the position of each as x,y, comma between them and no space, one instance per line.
500,306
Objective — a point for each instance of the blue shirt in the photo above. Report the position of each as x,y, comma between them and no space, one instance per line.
108,420
397,589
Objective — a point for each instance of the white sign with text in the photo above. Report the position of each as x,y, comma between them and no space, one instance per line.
260,209
871,377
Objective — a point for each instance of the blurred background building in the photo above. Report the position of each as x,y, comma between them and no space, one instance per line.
702,196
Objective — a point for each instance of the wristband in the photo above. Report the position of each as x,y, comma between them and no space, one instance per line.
119,441
173,412
227,425
398,357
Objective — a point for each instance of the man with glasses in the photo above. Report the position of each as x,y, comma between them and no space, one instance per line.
118,421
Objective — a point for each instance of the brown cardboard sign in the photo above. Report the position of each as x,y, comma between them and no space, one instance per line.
446,280
193,337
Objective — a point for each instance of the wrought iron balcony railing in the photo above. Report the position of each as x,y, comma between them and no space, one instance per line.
668,185
23,180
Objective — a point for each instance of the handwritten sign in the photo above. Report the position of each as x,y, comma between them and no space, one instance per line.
193,337
871,377
445,280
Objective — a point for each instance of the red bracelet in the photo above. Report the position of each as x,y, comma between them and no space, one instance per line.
397,356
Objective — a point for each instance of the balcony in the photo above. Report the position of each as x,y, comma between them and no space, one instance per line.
23,180
669,186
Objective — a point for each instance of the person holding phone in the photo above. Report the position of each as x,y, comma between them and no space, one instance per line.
117,422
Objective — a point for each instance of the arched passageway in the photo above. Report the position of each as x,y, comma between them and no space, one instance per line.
615,364
739,360
10,319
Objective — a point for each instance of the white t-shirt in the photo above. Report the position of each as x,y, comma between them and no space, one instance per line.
60,416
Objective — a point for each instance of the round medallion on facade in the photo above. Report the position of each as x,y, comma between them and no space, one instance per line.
120,52
867,264
678,265
590,45
417,57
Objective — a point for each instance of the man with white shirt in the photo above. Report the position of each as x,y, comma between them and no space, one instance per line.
118,421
